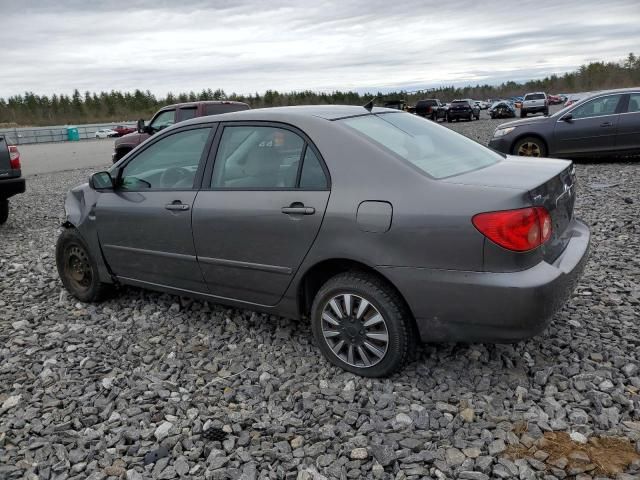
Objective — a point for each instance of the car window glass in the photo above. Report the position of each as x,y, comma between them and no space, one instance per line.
634,103
187,113
164,120
535,96
169,164
597,107
437,151
312,176
257,157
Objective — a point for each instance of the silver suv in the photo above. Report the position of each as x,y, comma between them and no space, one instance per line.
534,103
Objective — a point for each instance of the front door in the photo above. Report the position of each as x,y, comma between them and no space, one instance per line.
628,137
592,128
144,225
258,219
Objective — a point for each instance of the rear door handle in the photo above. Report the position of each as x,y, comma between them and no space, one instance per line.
606,124
176,206
302,210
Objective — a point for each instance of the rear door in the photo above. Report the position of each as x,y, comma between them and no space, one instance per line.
266,197
591,130
628,136
144,226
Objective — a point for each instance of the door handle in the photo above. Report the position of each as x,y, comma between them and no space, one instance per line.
298,210
177,206
605,124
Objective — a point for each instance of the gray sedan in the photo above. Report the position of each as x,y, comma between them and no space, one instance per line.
378,226
601,124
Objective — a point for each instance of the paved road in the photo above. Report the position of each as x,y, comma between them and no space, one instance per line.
57,157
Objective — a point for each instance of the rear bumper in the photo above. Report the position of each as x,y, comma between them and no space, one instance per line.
457,306
11,186
534,109
461,114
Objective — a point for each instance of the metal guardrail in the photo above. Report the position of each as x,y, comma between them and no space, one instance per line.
58,133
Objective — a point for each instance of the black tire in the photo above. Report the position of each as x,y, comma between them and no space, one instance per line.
536,147
523,113
478,117
78,269
546,112
470,119
4,210
449,119
396,321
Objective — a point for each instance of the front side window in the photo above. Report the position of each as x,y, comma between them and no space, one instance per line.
597,107
437,151
163,120
169,164
634,103
256,157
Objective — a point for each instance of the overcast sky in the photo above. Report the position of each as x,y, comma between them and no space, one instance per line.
246,46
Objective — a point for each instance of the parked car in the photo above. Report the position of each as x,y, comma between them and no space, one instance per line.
124,130
465,108
422,234
430,108
517,101
534,103
502,109
11,181
169,115
106,133
605,123
554,99
481,104
573,98
396,104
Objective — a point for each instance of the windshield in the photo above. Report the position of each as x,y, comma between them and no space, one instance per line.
436,150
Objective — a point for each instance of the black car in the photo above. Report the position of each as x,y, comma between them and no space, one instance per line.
463,109
11,182
605,123
430,108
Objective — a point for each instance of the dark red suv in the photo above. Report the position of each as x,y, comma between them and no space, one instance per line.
170,115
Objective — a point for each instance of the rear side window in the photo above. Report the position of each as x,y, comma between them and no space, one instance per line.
218,108
534,96
634,103
437,151
187,113
312,176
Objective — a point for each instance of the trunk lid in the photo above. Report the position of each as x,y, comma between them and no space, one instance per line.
547,182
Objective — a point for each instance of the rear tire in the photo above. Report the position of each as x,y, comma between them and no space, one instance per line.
4,210
449,119
376,335
530,147
523,113
78,269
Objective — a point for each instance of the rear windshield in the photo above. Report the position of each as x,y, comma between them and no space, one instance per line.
436,150
460,102
427,102
534,96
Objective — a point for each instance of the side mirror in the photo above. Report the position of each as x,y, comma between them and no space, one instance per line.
101,181
567,118
140,126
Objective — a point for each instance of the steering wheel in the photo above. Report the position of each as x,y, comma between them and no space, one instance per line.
173,176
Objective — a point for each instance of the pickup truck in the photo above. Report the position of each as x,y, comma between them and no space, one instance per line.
534,103
430,108
11,181
169,115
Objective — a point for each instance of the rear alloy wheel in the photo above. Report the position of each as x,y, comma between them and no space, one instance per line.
4,210
77,269
362,326
530,147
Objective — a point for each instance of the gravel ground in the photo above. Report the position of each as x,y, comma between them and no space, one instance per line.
93,391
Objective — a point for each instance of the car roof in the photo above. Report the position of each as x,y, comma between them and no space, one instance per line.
326,112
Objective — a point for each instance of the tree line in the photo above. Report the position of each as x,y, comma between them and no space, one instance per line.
30,109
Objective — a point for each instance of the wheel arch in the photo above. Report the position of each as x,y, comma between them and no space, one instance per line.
319,273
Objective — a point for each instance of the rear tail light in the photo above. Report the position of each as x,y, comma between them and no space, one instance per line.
517,230
15,157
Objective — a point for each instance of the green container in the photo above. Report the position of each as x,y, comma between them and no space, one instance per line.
72,134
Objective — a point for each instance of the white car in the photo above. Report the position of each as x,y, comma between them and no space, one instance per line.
105,133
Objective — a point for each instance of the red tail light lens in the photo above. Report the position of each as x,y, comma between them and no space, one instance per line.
517,230
15,157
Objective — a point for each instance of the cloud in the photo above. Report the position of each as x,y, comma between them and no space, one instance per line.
246,46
